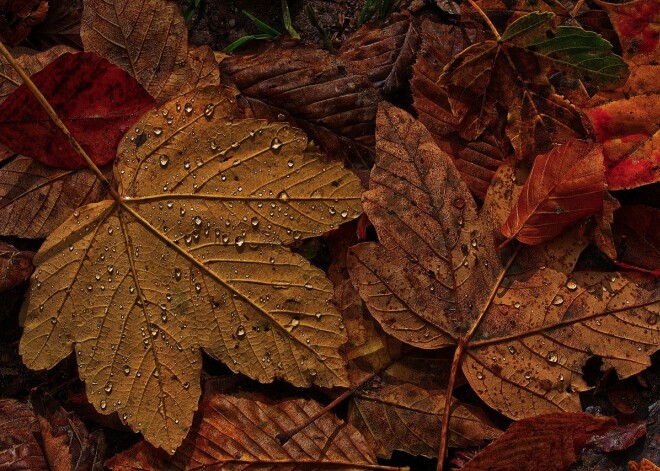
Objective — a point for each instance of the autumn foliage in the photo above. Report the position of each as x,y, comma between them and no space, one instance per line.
446,221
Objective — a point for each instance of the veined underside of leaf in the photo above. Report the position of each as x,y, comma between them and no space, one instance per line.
193,257
565,185
36,199
313,89
240,433
511,74
149,40
525,329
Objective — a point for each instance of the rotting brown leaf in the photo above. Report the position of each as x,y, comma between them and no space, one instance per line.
239,433
384,54
32,62
192,257
477,160
312,89
18,17
36,199
149,40
15,266
407,417
61,25
553,441
524,329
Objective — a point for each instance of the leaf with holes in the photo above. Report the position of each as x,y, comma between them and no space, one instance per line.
523,329
192,256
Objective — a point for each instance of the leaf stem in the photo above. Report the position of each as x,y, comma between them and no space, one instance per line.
284,437
56,119
464,343
487,20
577,7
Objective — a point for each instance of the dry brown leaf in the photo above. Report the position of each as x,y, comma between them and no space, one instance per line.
644,465
384,54
31,63
238,433
553,442
313,89
61,26
565,185
525,330
35,199
476,160
149,40
43,436
18,17
193,257
408,418
15,266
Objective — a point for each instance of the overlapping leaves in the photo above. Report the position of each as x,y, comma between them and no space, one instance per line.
191,257
435,279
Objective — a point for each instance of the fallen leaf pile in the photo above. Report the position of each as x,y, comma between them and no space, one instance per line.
431,219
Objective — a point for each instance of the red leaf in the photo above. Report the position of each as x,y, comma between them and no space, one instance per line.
566,184
637,239
96,100
15,266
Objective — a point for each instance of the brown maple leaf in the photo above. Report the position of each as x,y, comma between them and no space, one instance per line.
523,329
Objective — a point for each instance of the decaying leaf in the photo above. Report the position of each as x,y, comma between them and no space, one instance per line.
552,441
313,89
511,74
636,237
644,465
385,54
15,266
149,40
43,436
524,329
629,128
239,433
61,25
637,23
476,160
406,417
35,199
193,257
96,100
565,185
31,63
18,17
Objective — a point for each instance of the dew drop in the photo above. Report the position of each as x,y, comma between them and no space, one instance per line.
240,332
552,357
239,241
344,214
198,288
186,164
208,110
158,131
276,144
459,203
559,300
177,274
103,404
571,284
186,385
512,350
297,235
516,305
197,221
188,108
290,163
255,221
225,238
108,387
164,160
127,370
480,375
284,196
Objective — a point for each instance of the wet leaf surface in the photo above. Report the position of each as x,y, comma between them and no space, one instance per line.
526,327
97,101
193,257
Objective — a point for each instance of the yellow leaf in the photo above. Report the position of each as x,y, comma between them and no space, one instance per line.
191,258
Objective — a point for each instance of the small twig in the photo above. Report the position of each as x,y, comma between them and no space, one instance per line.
286,436
576,8
327,42
286,15
487,20
56,119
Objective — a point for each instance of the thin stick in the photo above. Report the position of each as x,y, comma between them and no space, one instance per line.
577,7
286,436
458,358
487,20
56,119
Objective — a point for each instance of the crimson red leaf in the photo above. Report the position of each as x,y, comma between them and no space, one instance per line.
97,101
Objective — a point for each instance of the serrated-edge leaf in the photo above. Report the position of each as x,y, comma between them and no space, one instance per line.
528,25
